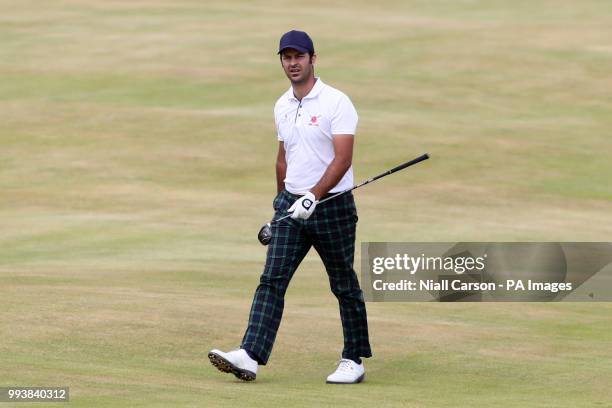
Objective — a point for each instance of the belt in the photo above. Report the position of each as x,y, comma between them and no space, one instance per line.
296,196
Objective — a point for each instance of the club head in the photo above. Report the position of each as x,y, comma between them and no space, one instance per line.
265,234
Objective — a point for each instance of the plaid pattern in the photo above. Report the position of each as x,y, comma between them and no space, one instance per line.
331,230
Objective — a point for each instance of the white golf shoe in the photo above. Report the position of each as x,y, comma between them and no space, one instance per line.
236,362
348,372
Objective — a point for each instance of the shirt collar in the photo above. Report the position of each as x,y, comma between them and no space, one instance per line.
314,92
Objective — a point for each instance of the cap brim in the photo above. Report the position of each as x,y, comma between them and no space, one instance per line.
295,47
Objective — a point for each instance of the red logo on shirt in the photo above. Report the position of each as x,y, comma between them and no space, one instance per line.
313,121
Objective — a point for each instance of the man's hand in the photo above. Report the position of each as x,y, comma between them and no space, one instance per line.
303,207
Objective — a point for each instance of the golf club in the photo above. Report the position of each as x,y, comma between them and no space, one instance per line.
265,233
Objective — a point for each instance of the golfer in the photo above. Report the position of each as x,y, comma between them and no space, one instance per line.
316,127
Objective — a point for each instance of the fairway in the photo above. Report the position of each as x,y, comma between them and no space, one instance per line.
137,151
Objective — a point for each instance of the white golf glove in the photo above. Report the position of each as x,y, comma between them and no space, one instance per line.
303,207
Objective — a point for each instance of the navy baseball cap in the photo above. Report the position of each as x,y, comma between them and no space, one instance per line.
298,40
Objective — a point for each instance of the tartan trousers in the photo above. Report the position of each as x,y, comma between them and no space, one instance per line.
331,231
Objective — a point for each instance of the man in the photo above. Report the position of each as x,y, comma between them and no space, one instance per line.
316,126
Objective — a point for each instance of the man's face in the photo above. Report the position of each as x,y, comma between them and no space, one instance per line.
298,66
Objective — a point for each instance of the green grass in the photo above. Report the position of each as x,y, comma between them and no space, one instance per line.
136,166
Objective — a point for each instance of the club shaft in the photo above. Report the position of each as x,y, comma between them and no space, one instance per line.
381,175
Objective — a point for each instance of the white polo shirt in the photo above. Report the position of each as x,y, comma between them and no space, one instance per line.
306,129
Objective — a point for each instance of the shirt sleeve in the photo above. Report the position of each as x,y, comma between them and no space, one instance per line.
277,124
344,119
278,133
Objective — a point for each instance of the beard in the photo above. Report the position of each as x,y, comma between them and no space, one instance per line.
305,74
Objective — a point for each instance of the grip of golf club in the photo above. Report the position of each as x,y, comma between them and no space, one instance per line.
403,166
410,163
